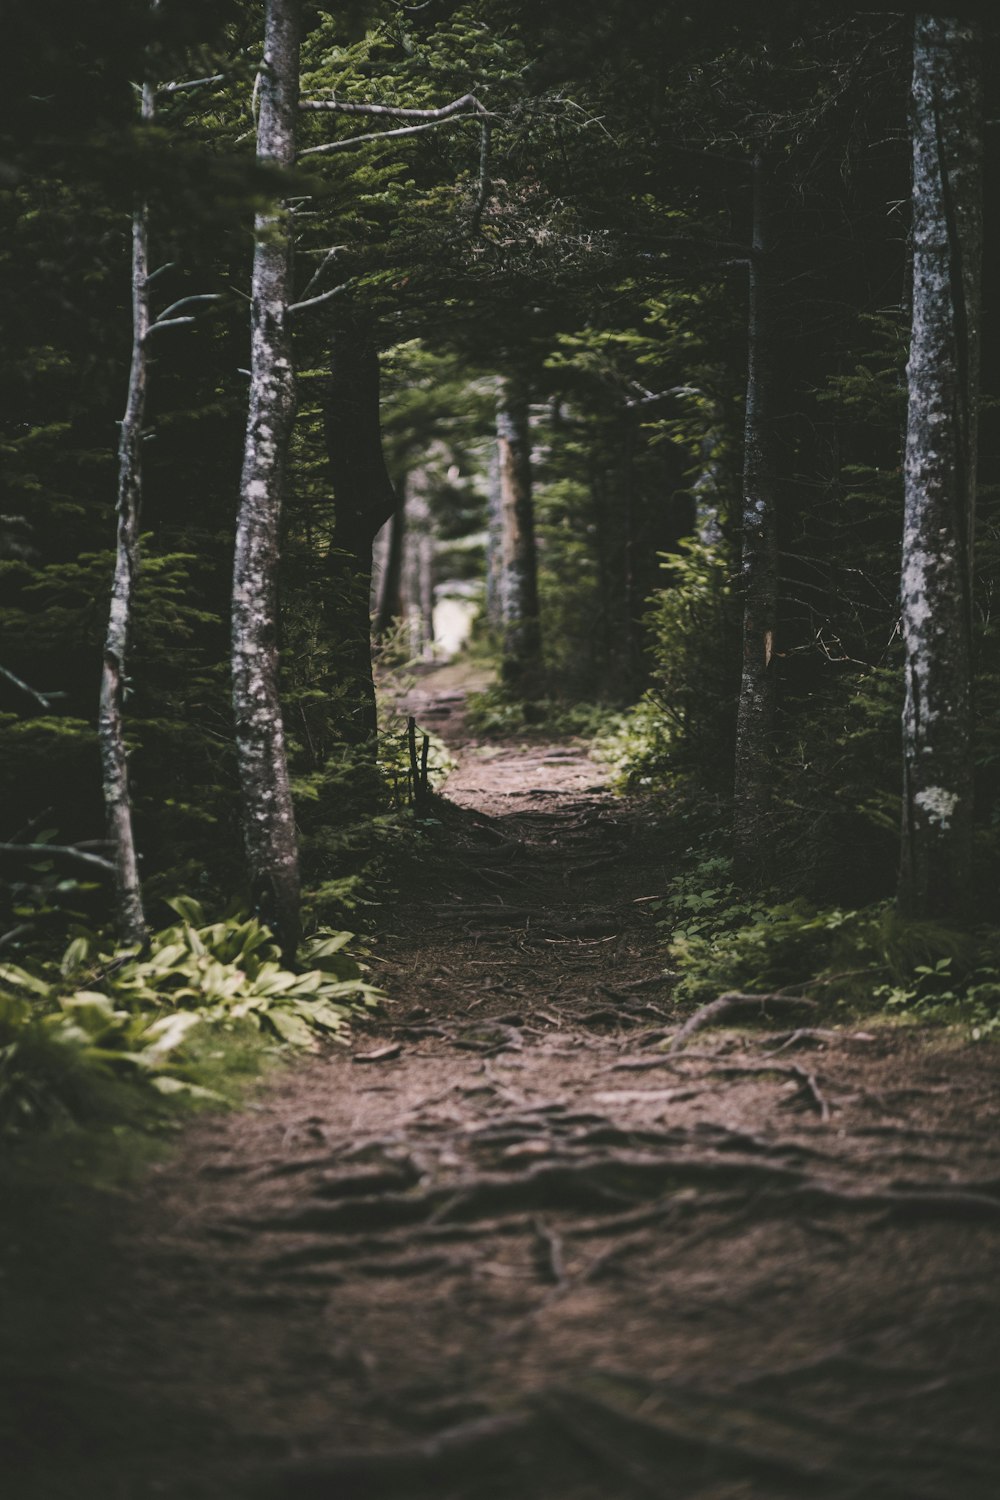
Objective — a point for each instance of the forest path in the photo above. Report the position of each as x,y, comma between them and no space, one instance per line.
506,1247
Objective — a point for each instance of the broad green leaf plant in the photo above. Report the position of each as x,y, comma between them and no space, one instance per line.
132,1014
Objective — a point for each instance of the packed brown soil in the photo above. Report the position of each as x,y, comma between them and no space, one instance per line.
506,1245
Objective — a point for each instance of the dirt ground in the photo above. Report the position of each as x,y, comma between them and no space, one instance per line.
506,1245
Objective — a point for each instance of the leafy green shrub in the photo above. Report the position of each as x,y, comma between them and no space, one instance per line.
684,726
499,711
64,1030
719,940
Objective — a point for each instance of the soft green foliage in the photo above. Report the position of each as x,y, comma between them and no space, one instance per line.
684,725
870,958
500,712
66,1030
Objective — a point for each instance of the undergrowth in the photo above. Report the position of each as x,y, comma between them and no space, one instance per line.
719,938
99,1035
499,711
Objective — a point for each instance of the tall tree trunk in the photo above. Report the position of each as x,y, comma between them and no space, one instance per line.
521,643
755,712
494,548
268,817
940,467
389,606
130,917
418,566
363,500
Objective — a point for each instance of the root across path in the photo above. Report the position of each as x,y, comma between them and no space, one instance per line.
528,1238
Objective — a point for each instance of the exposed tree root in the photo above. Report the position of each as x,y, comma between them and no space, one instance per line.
458,1454
684,1439
734,1006
610,1182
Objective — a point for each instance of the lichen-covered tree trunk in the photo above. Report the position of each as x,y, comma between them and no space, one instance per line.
130,917
521,642
940,466
363,500
759,571
268,817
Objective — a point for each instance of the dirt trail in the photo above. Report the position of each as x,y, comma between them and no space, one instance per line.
529,1254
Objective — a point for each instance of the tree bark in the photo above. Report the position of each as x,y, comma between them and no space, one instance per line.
268,817
755,711
363,500
129,913
494,548
521,643
418,566
940,467
390,605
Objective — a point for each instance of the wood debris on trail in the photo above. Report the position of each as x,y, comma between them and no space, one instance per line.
505,1260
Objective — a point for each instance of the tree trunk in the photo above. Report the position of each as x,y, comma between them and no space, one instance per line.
494,548
363,500
268,817
418,566
130,917
755,712
940,467
520,631
390,605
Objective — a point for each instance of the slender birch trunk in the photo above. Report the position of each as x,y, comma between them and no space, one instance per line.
520,632
940,466
268,817
130,916
755,712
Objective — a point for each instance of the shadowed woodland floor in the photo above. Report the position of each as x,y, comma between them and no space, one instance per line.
506,1247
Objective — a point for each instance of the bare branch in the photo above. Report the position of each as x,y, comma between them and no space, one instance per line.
334,291
44,700
191,83
468,104
186,302
168,323
352,142
314,279
168,265
67,853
